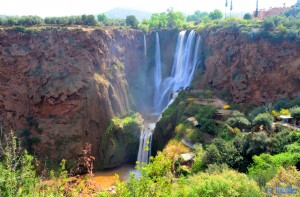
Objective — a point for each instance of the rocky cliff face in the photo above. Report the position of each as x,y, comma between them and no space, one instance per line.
249,70
60,88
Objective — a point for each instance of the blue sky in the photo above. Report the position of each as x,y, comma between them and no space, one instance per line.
70,7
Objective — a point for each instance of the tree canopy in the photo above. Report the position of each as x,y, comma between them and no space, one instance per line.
216,14
132,21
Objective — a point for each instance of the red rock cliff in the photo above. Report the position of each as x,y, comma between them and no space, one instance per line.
64,86
253,70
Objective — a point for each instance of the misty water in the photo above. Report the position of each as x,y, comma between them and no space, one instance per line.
186,60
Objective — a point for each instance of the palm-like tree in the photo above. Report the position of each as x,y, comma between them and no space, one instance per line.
256,11
230,7
226,5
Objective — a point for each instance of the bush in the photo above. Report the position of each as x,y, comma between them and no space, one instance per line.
289,177
295,112
155,179
263,109
198,160
259,144
238,120
174,149
222,152
205,118
268,24
282,139
265,166
227,183
17,175
247,16
264,119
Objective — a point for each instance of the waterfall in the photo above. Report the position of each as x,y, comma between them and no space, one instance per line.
145,144
184,66
157,72
145,46
183,70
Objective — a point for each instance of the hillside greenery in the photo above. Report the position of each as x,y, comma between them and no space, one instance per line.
274,28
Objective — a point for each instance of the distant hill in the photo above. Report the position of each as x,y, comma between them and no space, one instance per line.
124,12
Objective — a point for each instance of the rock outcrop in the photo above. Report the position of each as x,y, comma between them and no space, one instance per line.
250,69
60,88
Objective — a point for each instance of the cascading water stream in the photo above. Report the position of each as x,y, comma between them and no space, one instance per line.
145,46
184,66
157,72
145,144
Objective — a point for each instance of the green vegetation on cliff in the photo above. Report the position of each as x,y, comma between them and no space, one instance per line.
120,142
257,149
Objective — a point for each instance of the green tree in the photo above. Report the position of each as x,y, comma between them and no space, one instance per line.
247,16
205,116
158,20
198,16
238,120
215,15
259,143
264,119
222,152
132,21
264,166
102,18
298,3
295,112
175,19
89,20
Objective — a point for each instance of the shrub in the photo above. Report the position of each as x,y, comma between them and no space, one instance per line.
268,24
247,16
174,149
289,177
220,152
17,175
198,160
282,139
295,112
265,166
205,118
264,119
155,179
259,144
227,183
238,120
263,109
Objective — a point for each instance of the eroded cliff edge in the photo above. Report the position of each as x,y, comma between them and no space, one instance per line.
250,67
60,88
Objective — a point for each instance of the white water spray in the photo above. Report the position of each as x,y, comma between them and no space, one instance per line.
145,46
157,72
184,66
145,144
183,70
